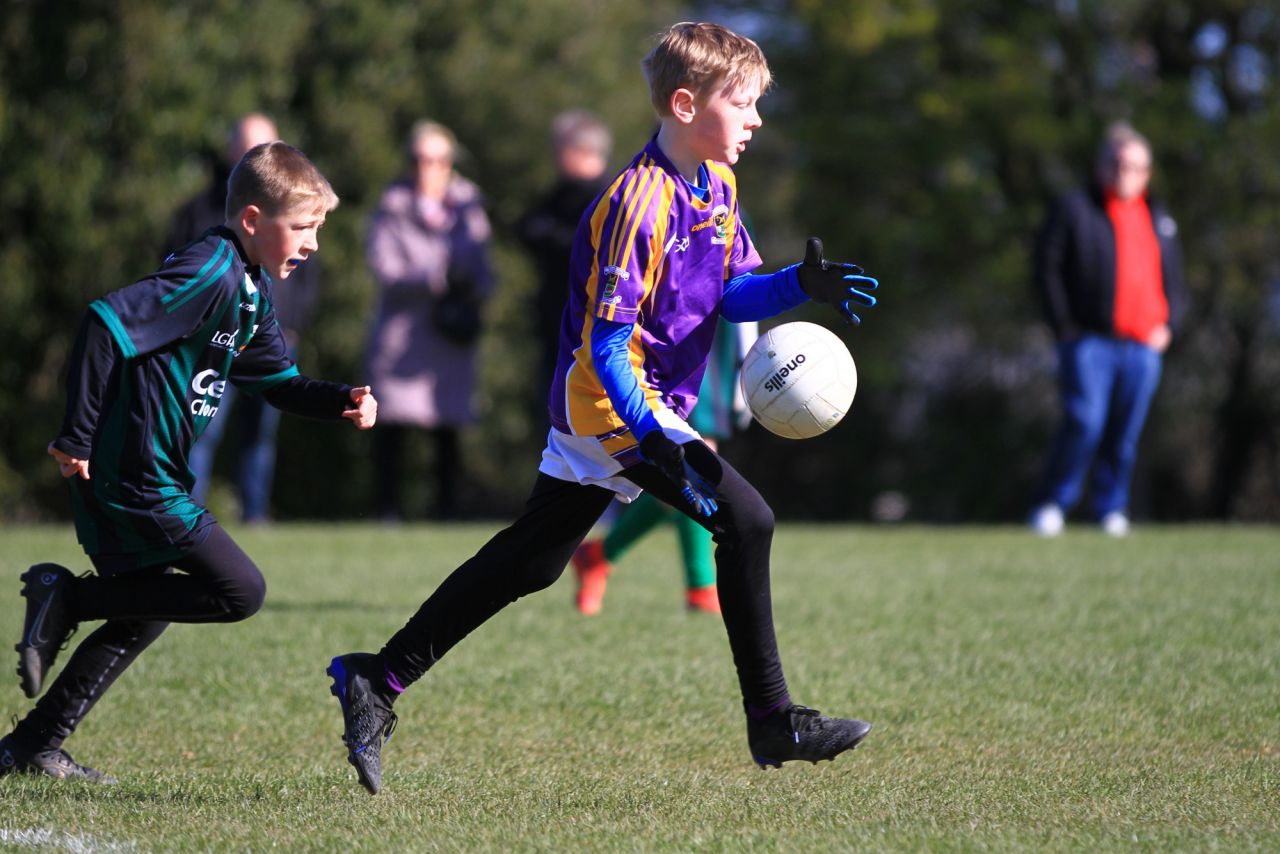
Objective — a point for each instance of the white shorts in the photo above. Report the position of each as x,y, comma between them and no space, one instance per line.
584,460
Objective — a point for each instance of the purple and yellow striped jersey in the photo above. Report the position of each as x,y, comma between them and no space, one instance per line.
649,252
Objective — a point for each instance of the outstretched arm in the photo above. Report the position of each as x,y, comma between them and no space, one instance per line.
752,297
324,400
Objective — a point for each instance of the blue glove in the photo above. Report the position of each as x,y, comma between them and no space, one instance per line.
833,283
668,457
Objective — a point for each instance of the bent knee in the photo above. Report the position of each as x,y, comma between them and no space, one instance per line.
542,574
751,524
246,600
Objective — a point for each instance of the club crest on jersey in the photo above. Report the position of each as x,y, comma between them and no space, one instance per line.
719,221
720,216
611,276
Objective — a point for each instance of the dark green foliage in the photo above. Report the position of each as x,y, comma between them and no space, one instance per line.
921,138
925,140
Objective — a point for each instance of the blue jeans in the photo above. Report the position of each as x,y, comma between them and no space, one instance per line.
255,471
1107,385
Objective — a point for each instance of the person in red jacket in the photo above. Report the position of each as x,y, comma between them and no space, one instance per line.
1109,273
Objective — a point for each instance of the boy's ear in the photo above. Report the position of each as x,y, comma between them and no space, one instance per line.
683,105
249,217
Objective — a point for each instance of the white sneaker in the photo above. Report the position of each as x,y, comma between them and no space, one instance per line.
1116,524
1047,520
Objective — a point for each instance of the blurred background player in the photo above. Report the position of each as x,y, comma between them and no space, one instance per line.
256,422
721,408
428,248
581,144
1109,273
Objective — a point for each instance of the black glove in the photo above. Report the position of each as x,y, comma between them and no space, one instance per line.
834,283
668,457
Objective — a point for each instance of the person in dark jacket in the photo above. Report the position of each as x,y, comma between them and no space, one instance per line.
256,422
582,144
1109,273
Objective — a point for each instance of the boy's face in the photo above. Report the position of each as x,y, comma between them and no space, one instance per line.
723,122
280,243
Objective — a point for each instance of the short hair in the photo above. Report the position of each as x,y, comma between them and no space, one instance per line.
699,57
278,178
581,129
1118,135
425,128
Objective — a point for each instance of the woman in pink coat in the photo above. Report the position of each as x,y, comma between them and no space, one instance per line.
428,247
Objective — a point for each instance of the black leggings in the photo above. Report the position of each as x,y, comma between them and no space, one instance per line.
532,553
220,585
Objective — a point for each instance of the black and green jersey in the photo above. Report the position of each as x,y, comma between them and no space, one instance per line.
142,391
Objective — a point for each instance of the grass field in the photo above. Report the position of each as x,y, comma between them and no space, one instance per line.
1075,694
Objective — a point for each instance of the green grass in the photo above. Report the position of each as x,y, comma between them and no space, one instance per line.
1075,694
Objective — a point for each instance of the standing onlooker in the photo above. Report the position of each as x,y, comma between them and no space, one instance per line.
257,422
1110,274
582,144
428,247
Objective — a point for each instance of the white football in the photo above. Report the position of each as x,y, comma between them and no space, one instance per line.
799,380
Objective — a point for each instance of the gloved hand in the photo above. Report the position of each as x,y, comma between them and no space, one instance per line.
660,451
834,283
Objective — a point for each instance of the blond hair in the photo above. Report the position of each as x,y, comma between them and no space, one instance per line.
279,179
699,57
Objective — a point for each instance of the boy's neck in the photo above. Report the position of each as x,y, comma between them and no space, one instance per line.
669,140
236,228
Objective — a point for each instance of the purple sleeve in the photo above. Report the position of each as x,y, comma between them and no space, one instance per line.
627,246
742,257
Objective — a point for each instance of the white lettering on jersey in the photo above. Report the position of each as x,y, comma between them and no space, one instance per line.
207,383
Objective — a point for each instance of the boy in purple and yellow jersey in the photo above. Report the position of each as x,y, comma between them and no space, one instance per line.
659,258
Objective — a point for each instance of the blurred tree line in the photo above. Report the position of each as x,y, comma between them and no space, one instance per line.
922,138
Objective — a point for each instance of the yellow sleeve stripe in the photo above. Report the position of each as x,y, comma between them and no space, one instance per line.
634,178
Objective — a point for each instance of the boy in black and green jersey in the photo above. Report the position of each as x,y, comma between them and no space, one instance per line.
149,367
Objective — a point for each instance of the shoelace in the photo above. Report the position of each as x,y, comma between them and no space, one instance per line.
385,731
64,759
805,718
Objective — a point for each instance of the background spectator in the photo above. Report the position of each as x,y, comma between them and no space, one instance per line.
428,248
1110,274
582,144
